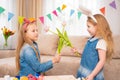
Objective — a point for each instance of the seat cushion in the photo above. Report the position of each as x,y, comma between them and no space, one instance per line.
67,66
7,67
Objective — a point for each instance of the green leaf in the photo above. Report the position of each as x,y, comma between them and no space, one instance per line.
60,45
63,40
65,36
59,33
67,39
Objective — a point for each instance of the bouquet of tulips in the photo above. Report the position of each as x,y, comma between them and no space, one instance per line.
6,34
63,38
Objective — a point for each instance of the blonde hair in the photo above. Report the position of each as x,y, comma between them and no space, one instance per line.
103,30
22,38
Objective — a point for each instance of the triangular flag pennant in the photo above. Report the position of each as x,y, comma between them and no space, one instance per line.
71,12
20,19
112,4
32,19
103,10
63,6
10,15
55,13
59,9
41,19
49,16
1,10
79,14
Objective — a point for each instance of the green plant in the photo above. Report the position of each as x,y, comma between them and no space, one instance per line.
63,38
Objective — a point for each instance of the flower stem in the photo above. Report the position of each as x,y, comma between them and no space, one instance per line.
53,32
5,43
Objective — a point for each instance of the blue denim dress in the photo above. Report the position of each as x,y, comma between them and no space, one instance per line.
89,60
29,62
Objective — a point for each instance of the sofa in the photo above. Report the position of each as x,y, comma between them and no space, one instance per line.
69,61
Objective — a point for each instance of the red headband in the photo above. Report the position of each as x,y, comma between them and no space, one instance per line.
28,21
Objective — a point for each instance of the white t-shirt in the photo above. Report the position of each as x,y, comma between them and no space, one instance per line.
101,44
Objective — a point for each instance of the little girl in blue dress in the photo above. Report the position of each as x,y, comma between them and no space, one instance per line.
98,49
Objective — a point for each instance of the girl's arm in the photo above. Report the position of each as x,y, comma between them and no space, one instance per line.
99,66
32,60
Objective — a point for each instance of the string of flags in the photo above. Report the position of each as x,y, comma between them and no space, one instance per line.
55,12
10,14
72,11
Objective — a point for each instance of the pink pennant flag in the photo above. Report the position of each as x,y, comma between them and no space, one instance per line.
42,19
112,4
55,13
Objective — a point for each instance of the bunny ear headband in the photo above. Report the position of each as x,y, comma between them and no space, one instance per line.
87,12
27,22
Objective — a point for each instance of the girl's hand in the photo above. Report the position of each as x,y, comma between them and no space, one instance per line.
90,77
56,58
74,50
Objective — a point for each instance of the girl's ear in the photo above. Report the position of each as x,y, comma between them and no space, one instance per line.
25,31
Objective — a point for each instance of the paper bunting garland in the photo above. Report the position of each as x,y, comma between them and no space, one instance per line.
80,11
63,6
113,5
10,15
103,10
59,9
55,13
49,16
42,19
71,12
1,10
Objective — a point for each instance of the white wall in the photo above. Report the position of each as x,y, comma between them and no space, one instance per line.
113,17
9,6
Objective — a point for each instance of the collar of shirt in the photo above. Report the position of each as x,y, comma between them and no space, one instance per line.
93,38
